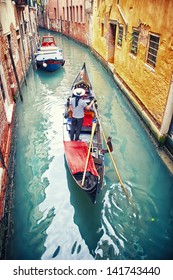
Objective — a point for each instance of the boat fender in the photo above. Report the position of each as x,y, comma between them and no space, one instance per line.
68,102
109,143
44,64
66,114
95,103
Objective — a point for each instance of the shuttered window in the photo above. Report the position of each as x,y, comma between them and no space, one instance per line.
134,42
153,49
120,35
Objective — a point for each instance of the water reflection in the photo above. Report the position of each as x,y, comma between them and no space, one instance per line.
55,78
87,216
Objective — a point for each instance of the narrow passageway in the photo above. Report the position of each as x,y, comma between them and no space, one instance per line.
52,218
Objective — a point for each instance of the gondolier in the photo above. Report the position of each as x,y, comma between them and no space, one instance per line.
77,106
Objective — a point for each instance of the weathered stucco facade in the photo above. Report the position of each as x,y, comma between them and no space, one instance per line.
71,18
18,35
149,82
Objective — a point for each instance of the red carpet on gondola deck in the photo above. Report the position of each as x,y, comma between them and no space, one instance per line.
76,154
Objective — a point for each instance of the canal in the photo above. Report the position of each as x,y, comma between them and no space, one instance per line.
52,218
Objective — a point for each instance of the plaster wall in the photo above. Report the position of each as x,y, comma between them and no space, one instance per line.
53,9
7,9
75,22
20,49
72,5
150,85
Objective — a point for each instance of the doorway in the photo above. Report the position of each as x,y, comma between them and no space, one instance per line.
111,42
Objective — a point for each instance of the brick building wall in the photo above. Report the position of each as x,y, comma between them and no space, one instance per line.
18,38
71,18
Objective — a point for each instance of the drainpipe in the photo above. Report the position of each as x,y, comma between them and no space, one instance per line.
124,19
168,110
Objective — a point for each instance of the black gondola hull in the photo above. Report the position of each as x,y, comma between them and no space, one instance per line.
93,179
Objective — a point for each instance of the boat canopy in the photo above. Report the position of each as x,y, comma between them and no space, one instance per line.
48,41
76,154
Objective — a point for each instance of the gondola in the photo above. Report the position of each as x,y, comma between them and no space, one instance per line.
49,57
85,158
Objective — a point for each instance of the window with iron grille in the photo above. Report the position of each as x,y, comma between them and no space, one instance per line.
134,41
120,35
153,49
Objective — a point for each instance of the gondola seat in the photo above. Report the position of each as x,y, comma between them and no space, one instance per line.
88,118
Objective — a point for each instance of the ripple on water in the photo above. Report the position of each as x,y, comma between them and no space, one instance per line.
120,238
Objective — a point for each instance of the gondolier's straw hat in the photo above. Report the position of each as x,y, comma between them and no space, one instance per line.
79,92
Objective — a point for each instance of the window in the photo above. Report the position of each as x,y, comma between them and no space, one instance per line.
102,29
74,19
81,14
55,12
153,49
134,43
77,15
120,35
63,9
70,14
67,15
2,90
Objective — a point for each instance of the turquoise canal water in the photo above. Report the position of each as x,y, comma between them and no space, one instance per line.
52,218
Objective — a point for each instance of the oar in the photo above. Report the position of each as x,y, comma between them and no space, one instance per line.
90,144
113,162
